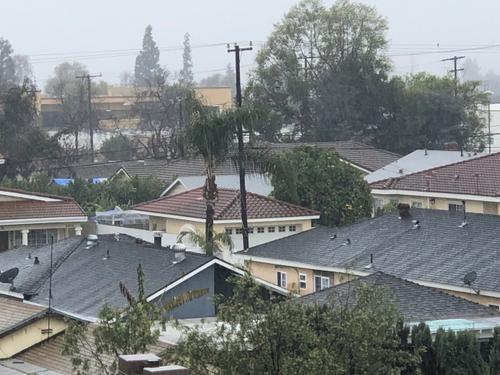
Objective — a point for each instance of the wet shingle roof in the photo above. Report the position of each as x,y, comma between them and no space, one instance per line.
414,302
227,207
439,251
357,153
478,176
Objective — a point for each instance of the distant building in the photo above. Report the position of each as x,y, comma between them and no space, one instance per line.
31,219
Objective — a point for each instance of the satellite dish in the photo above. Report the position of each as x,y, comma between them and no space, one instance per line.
8,276
470,277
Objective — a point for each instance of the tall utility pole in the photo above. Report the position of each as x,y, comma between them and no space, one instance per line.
89,77
241,152
455,70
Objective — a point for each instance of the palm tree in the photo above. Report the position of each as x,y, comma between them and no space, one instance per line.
211,135
218,241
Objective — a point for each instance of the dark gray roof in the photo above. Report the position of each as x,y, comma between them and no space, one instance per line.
414,302
357,153
439,251
86,279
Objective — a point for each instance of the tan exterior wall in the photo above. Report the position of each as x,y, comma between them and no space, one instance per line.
441,203
28,336
483,300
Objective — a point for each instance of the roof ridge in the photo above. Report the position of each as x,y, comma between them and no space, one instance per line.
279,201
230,204
399,178
41,194
167,197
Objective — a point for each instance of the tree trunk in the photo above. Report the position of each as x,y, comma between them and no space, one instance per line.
210,196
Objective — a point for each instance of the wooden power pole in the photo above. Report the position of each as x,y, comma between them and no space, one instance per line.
89,77
241,152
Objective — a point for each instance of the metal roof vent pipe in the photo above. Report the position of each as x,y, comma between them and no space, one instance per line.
157,239
91,241
179,250
404,211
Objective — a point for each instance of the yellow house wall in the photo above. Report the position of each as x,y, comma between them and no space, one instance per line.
439,203
28,336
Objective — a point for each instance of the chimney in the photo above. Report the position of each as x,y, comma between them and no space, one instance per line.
166,370
157,239
179,250
134,364
404,211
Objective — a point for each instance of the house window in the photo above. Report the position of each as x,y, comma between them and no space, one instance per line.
239,230
302,280
497,307
292,228
155,226
281,228
321,282
250,230
281,279
41,237
271,229
455,207
416,204
229,231
260,229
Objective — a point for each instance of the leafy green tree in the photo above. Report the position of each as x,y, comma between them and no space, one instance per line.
130,330
147,63
423,112
118,147
258,336
186,74
421,339
337,94
22,143
318,179
494,358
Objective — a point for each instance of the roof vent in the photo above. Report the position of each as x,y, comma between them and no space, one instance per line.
416,224
370,266
347,242
464,224
91,241
404,210
117,237
333,237
179,250
37,261
157,239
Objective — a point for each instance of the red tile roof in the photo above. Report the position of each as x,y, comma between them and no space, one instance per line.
479,176
227,207
35,209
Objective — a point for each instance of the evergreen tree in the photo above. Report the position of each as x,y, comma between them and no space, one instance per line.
7,66
186,75
495,353
147,63
422,341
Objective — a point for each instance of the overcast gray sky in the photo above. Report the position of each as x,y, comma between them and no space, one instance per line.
52,31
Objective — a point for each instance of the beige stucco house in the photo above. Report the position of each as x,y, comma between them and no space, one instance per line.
475,182
31,219
268,219
434,248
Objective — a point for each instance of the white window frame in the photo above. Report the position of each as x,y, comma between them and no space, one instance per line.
281,279
228,231
282,227
238,231
324,282
302,280
271,229
261,229
292,226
